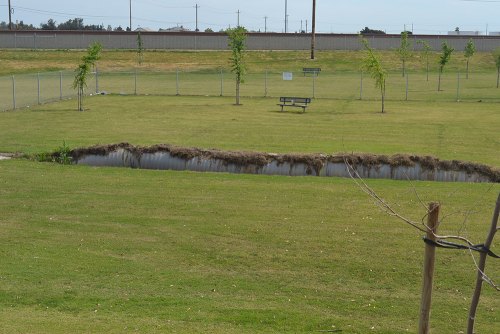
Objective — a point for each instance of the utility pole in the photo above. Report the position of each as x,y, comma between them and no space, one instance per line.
238,12
286,16
130,23
265,23
197,17
313,38
10,16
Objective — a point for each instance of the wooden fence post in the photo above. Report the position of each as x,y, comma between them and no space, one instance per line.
429,258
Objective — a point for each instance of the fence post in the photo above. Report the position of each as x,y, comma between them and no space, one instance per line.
38,87
265,84
458,87
96,80
60,86
314,85
361,87
135,82
406,99
177,82
428,276
221,82
14,92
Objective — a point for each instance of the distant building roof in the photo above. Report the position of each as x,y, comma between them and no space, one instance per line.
175,29
464,33
142,29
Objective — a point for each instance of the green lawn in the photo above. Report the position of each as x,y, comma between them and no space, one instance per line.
463,131
95,250
108,250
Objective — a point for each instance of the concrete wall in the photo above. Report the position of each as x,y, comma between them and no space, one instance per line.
218,41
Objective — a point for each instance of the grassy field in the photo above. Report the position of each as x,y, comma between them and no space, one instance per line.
465,131
45,76
103,250
31,61
120,251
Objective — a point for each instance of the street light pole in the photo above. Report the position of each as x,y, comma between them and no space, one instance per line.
197,17
10,16
130,7
286,16
313,38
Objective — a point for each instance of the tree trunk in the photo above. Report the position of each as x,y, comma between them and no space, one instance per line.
498,76
404,68
80,98
382,90
427,68
439,80
467,70
481,267
313,35
238,92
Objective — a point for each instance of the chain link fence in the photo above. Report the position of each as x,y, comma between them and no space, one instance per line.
25,90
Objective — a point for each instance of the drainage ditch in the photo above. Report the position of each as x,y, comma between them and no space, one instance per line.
396,167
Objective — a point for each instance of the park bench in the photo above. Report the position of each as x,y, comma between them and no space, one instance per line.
311,70
298,102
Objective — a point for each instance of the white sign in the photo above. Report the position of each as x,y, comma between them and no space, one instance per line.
287,76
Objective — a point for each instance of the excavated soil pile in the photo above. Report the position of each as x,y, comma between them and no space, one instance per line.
399,166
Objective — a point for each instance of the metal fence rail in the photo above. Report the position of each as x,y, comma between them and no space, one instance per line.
21,91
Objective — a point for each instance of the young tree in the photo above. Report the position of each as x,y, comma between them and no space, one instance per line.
443,60
426,48
404,51
140,49
496,55
237,37
372,65
82,71
469,51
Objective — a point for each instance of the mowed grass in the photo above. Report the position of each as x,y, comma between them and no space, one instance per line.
93,250
32,61
461,131
103,250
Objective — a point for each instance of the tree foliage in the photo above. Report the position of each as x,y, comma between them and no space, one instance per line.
237,38
444,59
373,65
71,24
426,48
496,56
82,71
140,49
469,51
445,56
367,31
404,51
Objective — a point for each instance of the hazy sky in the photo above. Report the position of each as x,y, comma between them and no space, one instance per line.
425,16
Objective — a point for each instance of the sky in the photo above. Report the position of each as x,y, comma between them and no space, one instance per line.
391,16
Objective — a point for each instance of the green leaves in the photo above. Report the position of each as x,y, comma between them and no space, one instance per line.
496,56
373,65
237,37
445,56
82,71
470,49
